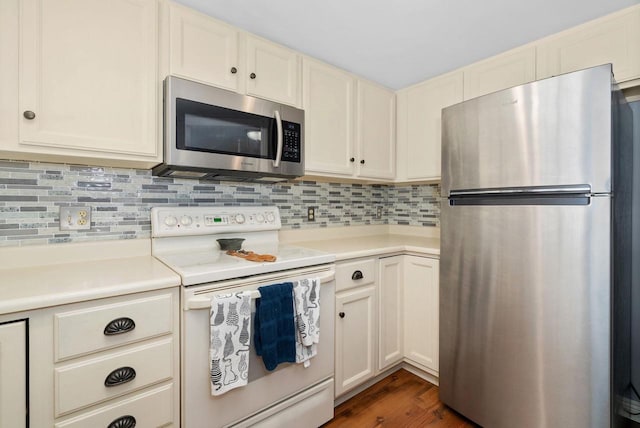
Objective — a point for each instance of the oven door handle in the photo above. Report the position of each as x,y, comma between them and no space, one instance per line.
276,162
205,302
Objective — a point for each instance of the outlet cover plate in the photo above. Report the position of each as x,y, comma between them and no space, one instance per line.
75,218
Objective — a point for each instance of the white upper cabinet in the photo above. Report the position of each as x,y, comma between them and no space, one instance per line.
88,79
376,154
206,50
328,99
419,125
273,71
612,39
349,125
202,48
9,72
506,70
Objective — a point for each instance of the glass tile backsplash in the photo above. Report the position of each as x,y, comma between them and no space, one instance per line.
32,192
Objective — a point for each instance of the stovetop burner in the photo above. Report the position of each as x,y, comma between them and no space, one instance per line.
184,238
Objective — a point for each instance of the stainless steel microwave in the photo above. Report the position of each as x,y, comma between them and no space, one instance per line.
211,133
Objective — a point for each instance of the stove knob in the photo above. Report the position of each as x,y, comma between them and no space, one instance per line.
170,220
239,218
260,218
271,218
186,220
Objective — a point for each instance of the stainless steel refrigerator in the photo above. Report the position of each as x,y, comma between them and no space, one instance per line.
535,271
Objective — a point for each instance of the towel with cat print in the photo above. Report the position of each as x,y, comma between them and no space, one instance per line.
306,293
230,322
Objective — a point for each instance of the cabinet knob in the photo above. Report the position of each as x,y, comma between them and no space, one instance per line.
341,314
123,422
362,161
234,70
352,160
357,275
120,376
28,114
119,326
252,75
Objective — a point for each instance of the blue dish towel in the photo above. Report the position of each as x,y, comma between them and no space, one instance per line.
274,327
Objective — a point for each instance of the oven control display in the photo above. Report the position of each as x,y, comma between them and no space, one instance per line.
213,220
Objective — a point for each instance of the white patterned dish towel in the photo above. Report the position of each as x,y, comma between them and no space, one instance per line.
230,322
306,298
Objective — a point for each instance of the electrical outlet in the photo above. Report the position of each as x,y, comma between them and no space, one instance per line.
75,218
379,213
311,214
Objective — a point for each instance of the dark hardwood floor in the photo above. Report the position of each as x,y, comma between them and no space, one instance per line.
399,400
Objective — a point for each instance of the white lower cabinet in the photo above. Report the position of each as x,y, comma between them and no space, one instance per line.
13,374
386,313
355,337
356,324
109,362
390,302
421,302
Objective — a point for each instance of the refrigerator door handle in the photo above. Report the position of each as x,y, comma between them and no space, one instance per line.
574,189
579,194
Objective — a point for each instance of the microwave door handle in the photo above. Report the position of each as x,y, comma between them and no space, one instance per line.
276,162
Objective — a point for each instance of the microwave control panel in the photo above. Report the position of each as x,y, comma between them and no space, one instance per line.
291,141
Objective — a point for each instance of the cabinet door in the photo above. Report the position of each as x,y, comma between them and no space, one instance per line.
273,72
503,71
376,131
89,75
355,337
9,60
13,375
390,302
328,99
419,125
421,303
613,39
202,48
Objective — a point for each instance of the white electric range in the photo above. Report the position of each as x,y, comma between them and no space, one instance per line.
185,239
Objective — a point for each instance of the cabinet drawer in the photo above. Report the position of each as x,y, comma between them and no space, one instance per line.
81,384
97,328
149,409
355,274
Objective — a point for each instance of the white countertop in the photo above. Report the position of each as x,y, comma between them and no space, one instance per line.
35,277
127,267
367,241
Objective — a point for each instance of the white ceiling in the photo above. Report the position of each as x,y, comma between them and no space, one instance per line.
398,43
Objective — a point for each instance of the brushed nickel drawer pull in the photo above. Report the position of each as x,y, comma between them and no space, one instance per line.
123,422
120,376
119,326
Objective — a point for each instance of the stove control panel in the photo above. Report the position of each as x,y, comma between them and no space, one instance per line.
178,221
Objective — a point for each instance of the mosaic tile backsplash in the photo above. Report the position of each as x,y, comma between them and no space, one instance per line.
31,194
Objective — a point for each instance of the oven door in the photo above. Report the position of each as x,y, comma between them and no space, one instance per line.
267,392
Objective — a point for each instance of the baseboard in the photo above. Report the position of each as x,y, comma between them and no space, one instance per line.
358,389
401,365
420,373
